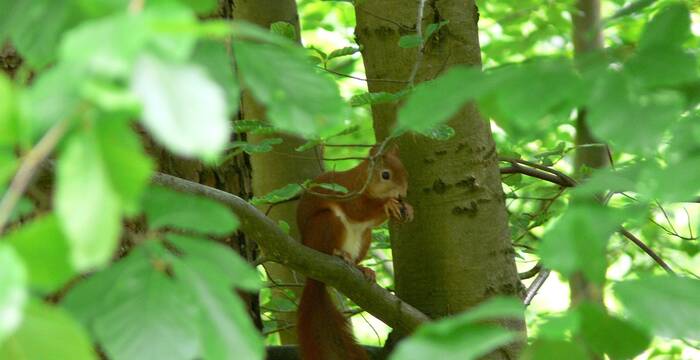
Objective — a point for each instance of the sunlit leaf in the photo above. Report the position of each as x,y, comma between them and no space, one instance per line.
47,332
44,248
608,334
13,291
183,108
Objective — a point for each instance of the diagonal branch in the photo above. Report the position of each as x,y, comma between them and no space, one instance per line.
520,166
279,247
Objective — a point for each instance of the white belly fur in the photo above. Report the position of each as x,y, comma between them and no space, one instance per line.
353,233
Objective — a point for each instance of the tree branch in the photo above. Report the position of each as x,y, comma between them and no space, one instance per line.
279,247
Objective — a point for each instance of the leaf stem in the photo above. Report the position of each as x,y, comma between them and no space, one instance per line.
31,162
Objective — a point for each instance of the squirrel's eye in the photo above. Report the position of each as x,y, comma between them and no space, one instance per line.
386,175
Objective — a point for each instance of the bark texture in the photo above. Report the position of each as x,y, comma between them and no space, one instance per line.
588,38
457,252
273,170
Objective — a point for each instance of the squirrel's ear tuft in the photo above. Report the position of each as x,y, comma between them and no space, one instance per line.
393,149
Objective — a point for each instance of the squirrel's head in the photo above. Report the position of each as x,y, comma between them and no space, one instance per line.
389,177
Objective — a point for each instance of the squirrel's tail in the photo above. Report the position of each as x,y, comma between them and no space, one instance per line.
324,334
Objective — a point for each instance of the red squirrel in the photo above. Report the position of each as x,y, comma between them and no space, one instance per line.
343,227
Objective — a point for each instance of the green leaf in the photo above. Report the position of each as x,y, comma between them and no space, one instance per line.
218,260
410,41
468,341
665,184
44,248
47,332
88,208
432,28
85,44
13,291
460,337
434,102
284,29
8,166
9,128
282,194
224,326
577,241
668,305
303,101
173,29
128,167
614,103
201,6
57,92
670,27
183,108
559,326
265,145
370,98
608,334
167,208
37,44
213,56
664,66
348,50
545,349
142,313
253,127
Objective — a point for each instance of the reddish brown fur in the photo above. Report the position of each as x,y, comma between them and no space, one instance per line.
324,333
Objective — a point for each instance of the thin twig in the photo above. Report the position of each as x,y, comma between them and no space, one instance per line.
535,286
360,78
421,47
30,164
647,250
532,272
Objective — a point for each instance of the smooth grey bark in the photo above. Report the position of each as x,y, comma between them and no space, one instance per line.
457,252
273,170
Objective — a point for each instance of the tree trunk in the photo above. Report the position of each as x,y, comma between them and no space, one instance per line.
276,169
457,252
588,38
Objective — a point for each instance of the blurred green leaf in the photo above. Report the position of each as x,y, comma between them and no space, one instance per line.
85,44
47,332
143,314
37,44
460,336
218,260
577,241
302,102
9,131
252,126
668,305
545,349
167,208
608,334
434,102
225,328
44,249
183,108
213,56
669,27
127,166
13,291
88,208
